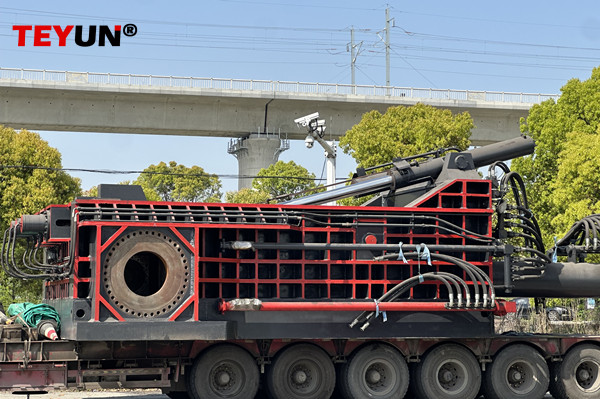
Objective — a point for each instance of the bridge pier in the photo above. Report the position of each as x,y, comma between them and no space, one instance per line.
254,152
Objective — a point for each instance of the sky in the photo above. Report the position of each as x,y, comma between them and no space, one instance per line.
524,46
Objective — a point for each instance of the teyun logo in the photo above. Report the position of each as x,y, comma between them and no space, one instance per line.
41,34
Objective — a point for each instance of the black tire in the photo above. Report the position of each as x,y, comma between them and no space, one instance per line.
224,371
374,371
448,371
553,315
301,371
517,372
578,375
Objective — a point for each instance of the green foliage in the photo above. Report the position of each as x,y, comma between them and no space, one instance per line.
175,182
27,191
293,178
402,131
562,177
30,190
247,196
576,188
92,192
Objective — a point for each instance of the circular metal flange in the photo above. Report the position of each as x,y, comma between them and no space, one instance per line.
145,273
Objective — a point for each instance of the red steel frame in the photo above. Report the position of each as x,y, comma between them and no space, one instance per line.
222,274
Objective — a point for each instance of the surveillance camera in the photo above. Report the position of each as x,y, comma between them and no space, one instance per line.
309,141
305,120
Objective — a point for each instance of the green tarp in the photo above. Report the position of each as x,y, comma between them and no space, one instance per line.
33,314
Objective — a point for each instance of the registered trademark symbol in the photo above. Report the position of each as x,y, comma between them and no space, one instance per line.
129,30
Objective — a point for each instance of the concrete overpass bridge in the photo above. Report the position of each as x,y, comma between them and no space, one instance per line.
257,114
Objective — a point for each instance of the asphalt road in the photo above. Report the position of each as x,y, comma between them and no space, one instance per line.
136,394
71,394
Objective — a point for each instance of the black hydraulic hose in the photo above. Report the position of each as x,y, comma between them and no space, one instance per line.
532,223
27,256
535,235
13,269
534,260
33,257
443,275
498,164
527,212
482,277
11,251
586,227
399,289
595,225
408,283
380,216
31,251
457,281
433,226
515,177
469,232
571,234
574,228
471,270
528,239
5,245
534,251
23,274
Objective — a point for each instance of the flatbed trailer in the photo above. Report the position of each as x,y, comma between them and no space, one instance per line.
42,365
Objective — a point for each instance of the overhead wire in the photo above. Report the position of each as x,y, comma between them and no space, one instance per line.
331,45
129,172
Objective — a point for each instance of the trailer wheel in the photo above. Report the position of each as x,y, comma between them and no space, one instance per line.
224,371
301,371
448,371
375,371
578,375
518,371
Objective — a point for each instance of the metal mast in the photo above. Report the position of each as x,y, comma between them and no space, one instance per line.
387,47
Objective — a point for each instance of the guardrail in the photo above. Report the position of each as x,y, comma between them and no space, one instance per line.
270,85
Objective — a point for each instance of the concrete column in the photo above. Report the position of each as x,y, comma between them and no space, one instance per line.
255,152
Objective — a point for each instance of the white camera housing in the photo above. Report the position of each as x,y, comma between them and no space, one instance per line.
309,141
305,120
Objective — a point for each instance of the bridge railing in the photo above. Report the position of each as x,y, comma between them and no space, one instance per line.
271,85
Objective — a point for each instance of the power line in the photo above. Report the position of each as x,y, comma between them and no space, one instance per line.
301,5
177,23
503,63
528,23
130,172
415,69
470,73
212,60
430,36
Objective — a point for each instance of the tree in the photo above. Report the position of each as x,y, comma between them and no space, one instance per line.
402,131
26,190
576,188
247,196
559,176
175,182
283,178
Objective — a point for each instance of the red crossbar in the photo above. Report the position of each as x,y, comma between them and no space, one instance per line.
500,309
